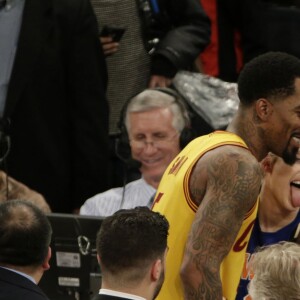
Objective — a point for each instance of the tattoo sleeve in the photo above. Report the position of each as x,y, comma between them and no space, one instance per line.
226,187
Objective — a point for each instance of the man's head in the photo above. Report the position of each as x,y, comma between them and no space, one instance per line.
270,84
131,247
282,182
276,271
155,121
25,234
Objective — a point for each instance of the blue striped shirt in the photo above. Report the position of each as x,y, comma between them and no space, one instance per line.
137,193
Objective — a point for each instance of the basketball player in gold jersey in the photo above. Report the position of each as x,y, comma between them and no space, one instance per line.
209,191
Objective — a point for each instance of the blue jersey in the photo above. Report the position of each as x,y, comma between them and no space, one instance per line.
258,239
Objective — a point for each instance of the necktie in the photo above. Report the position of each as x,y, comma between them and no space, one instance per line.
150,203
2,4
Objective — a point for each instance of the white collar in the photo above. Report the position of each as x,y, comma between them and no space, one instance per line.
120,294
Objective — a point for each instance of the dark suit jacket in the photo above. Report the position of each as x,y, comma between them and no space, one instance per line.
106,297
16,287
56,104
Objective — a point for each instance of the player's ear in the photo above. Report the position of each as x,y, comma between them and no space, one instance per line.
264,109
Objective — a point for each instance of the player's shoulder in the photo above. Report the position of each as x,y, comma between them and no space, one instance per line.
230,153
225,160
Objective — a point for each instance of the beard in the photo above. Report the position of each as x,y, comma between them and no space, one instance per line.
159,284
290,156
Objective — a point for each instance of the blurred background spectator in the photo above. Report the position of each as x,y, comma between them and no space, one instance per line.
241,30
52,100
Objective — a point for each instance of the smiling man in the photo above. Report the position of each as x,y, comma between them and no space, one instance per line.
278,214
157,126
209,193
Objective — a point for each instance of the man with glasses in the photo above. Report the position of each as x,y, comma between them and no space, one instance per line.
156,124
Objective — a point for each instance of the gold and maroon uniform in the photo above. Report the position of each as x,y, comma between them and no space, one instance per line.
173,200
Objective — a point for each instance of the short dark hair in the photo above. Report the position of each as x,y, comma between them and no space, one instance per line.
270,75
25,234
131,239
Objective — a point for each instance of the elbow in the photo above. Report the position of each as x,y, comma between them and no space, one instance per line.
192,274
187,271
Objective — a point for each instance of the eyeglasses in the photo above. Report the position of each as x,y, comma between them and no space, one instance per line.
156,141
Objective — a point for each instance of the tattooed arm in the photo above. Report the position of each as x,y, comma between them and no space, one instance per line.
225,184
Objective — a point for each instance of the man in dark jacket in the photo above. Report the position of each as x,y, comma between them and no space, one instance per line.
25,235
53,92
161,37
248,28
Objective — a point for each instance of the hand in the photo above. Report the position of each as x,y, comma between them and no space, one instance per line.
109,46
159,81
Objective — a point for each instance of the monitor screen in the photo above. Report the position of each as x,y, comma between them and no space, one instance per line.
74,271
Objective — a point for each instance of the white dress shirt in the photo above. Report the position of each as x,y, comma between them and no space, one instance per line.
136,193
120,294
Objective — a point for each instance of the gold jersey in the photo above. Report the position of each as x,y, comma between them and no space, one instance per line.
173,200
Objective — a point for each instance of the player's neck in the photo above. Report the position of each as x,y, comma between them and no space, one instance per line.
243,126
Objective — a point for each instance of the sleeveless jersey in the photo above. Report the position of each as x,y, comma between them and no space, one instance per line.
173,200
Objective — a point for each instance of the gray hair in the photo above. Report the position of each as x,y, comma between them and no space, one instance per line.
151,99
276,271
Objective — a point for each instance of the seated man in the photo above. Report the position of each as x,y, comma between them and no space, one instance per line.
25,235
278,213
131,250
158,126
276,271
